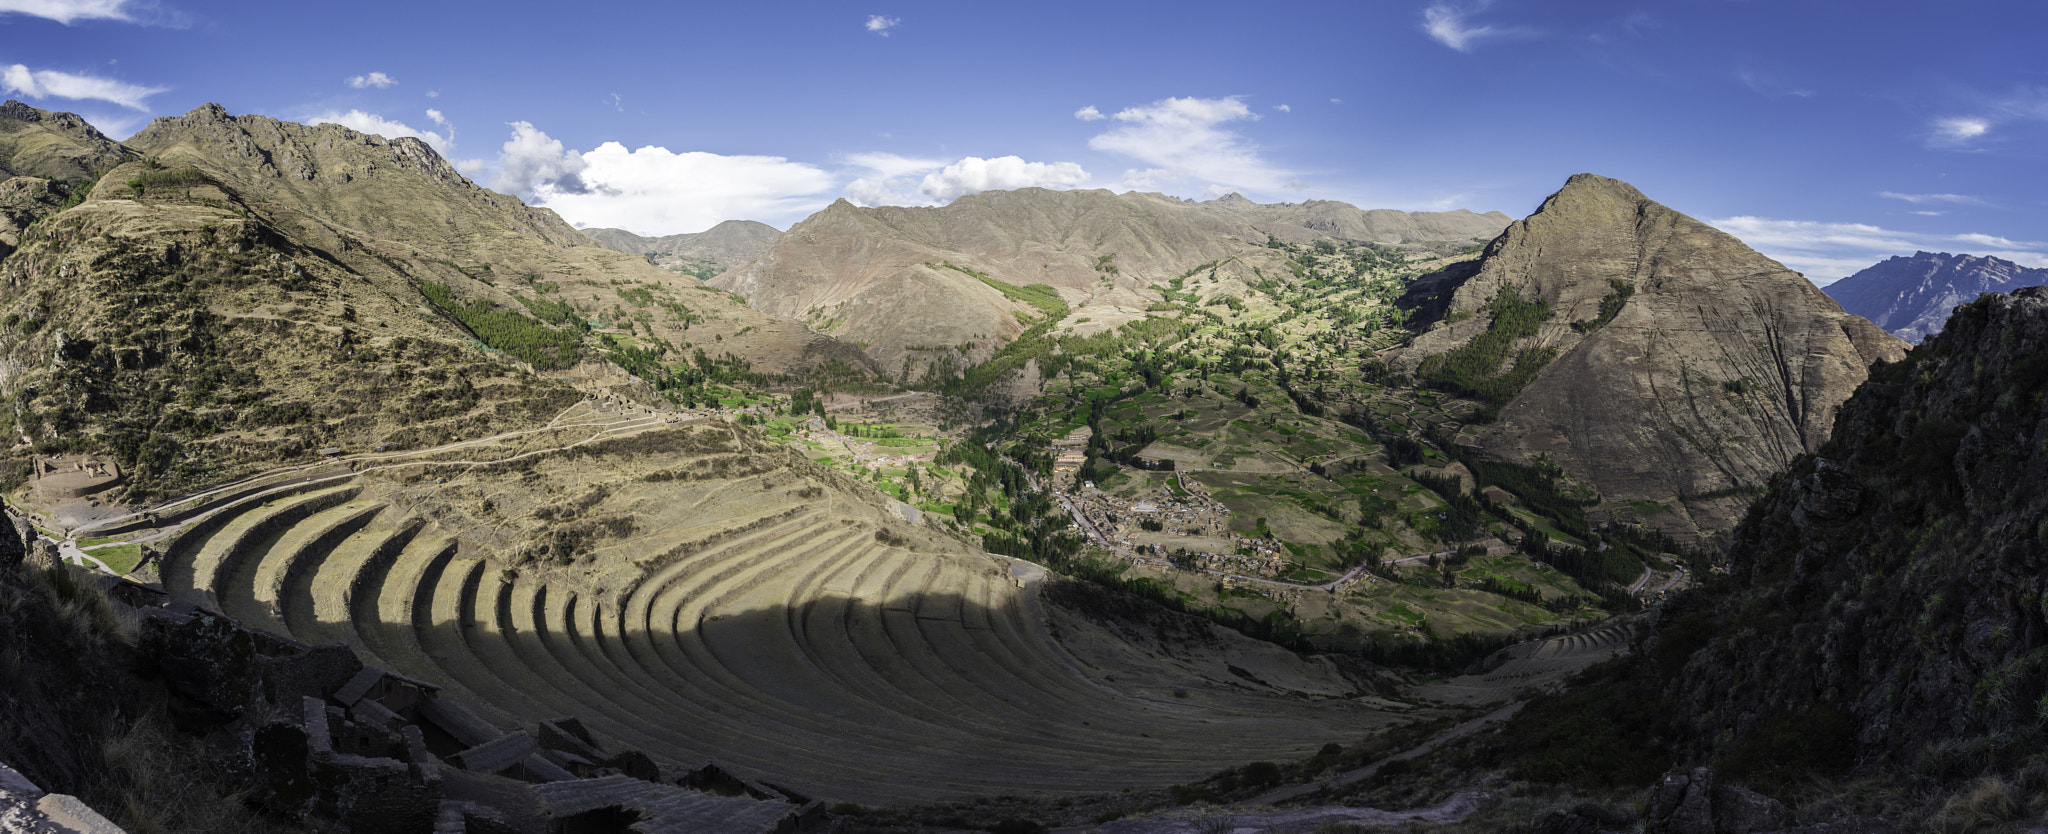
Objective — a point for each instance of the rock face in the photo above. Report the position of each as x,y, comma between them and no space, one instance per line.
1914,618
1911,297
1686,366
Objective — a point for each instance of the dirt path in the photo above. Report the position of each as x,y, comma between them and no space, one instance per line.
1361,774
1303,820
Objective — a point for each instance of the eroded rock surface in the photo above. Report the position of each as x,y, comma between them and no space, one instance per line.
1716,369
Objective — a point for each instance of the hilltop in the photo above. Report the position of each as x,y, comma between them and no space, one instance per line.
703,254
1913,296
1671,368
239,292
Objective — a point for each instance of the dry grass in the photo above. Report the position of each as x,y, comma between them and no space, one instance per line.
1987,806
156,782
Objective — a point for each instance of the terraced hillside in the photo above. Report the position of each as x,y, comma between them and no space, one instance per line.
698,593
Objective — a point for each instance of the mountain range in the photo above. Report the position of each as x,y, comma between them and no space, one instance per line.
918,287
1280,492
1912,296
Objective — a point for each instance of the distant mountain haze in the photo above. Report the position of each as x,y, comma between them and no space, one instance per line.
1913,296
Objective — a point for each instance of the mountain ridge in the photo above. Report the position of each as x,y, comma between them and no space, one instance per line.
1912,296
902,279
705,253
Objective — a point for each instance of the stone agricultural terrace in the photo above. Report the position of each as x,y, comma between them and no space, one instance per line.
705,595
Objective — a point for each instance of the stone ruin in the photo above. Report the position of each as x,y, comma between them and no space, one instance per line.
319,734
72,477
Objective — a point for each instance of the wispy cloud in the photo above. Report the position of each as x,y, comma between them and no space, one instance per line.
363,122
1952,199
1982,122
39,84
1186,142
1770,86
1827,252
655,191
1958,131
881,25
1089,114
1451,24
70,11
377,80
1283,108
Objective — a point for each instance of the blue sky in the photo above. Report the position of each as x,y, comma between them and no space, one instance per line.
1826,134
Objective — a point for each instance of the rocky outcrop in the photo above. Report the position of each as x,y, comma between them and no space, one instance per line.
53,146
1887,593
1691,803
1686,366
1912,297
396,188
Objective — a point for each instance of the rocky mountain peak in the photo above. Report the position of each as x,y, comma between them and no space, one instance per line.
1657,357
360,180
52,145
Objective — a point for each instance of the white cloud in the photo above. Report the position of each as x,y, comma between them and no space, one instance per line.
39,84
888,179
1089,114
892,180
1916,199
1183,141
1449,24
66,11
1928,213
1958,131
974,174
881,25
1283,108
362,122
892,165
1827,252
1336,101
376,79
654,191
